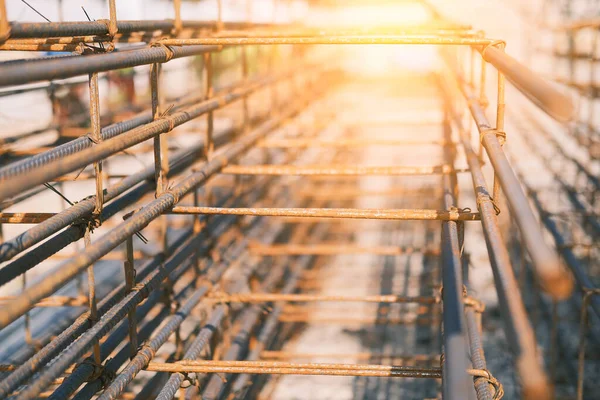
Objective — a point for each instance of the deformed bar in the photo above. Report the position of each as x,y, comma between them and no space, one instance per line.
353,213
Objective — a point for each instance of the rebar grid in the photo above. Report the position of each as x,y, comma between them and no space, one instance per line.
218,287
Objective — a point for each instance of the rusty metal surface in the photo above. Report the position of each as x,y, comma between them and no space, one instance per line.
184,284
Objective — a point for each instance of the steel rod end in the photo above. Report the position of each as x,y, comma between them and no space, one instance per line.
537,392
559,285
534,381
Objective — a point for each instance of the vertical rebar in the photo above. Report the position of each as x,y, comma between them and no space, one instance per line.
178,22
500,128
583,322
456,383
159,169
4,25
129,267
96,137
112,25
209,145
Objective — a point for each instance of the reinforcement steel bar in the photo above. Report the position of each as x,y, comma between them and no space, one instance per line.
554,277
300,142
147,352
20,72
83,209
82,323
555,103
265,367
160,338
224,288
336,249
269,329
99,28
455,382
334,170
519,333
335,39
115,314
200,342
68,236
119,143
140,219
272,297
353,213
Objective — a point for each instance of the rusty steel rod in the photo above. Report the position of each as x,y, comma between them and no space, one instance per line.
335,170
318,369
519,332
202,283
554,277
114,145
353,213
554,102
336,249
276,297
303,143
332,40
139,220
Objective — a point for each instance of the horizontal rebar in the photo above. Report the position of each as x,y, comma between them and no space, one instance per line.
276,297
341,142
389,214
264,367
24,218
336,170
324,249
334,39
274,354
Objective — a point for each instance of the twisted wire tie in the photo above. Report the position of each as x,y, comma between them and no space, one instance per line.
500,135
491,380
485,374
169,53
97,367
481,198
495,43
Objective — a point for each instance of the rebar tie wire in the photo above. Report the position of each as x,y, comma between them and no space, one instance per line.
168,49
501,135
482,373
111,34
501,44
100,371
469,301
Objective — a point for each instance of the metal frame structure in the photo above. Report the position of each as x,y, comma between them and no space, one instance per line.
122,331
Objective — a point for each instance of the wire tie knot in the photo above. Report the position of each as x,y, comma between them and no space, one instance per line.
495,43
495,383
500,135
169,53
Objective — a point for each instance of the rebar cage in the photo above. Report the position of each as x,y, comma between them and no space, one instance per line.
251,183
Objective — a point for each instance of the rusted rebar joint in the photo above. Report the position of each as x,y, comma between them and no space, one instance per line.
491,380
168,118
483,198
98,369
189,379
110,28
501,135
168,50
475,304
91,222
500,44
168,297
